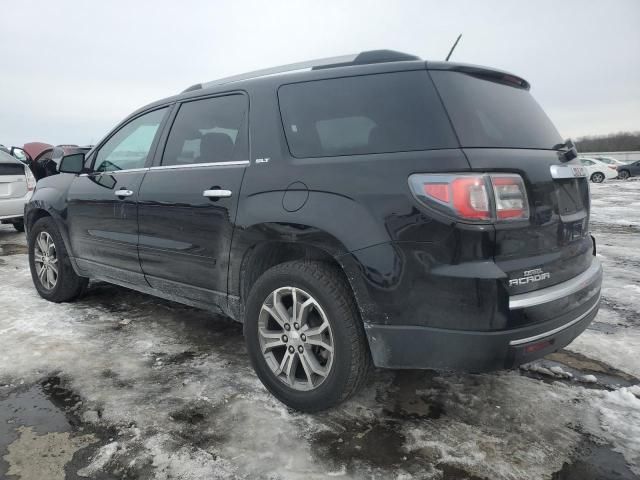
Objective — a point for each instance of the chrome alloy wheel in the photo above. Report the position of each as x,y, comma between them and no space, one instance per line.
295,338
46,260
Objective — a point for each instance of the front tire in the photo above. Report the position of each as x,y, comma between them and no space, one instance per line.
624,174
51,270
305,337
597,177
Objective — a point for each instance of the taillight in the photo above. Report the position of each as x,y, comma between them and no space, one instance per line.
612,167
31,180
474,197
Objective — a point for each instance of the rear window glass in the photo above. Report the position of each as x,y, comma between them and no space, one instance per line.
489,114
391,112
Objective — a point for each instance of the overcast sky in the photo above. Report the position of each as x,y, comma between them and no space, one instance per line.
72,69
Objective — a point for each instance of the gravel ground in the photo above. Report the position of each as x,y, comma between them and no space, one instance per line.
124,385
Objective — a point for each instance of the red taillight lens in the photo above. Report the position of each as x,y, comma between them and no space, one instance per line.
613,167
438,191
477,198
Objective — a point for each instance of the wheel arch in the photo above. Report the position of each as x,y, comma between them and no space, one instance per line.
270,247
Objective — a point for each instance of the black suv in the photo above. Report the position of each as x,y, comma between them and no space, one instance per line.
368,210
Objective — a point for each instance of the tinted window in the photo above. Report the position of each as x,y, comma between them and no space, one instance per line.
209,130
129,147
490,114
390,112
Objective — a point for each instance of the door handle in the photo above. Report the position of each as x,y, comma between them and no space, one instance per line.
123,193
217,193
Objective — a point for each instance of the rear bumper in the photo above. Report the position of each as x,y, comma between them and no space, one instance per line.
562,312
13,207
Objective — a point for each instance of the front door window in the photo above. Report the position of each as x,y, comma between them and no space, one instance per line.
129,147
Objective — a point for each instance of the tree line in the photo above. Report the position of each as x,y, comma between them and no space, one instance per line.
614,142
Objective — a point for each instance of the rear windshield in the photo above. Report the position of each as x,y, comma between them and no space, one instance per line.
390,112
489,114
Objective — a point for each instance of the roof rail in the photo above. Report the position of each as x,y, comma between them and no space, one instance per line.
372,56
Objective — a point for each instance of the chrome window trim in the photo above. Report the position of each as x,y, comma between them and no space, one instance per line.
196,165
170,167
521,341
556,292
111,172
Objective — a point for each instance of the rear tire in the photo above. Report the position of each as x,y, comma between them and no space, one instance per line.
597,177
51,270
624,174
323,297
19,225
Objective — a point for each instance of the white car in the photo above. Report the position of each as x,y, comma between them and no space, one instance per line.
16,187
598,171
609,160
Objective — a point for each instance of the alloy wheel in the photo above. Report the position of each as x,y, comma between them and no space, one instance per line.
623,175
597,177
296,339
46,260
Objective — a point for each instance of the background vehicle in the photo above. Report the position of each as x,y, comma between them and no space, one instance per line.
598,171
609,160
33,154
341,218
16,187
629,170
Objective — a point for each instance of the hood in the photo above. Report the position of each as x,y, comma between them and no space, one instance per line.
35,149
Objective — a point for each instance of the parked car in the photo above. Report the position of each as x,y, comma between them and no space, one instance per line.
34,154
16,187
598,171
610,160
629,170
376,209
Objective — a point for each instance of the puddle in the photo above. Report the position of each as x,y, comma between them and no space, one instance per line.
378,444
608,378
13,249
596,462
405,403
40,432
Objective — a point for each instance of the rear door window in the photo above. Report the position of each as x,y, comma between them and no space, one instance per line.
391,112
209,130
486,113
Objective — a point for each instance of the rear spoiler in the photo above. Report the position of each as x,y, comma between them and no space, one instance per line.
490,74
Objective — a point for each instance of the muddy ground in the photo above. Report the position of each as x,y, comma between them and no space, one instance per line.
121,385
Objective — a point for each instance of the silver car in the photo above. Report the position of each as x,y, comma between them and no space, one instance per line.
17,184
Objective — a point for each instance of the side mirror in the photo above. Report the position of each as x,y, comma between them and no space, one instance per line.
73,163
20,154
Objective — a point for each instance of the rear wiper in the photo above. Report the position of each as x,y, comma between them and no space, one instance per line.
568,150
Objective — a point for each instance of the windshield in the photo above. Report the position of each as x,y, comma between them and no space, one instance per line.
490,114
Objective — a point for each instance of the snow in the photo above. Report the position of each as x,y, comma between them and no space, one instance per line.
620,422
176,385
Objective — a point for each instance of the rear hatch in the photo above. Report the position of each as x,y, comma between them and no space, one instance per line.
13,182
501,128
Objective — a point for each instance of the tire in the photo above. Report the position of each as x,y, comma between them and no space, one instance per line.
19,225
345,370
597,177
68,285
624,174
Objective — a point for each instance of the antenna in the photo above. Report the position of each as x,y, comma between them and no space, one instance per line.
454,47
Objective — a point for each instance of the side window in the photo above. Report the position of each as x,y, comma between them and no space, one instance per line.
129,147
390,112
207,131
587,162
